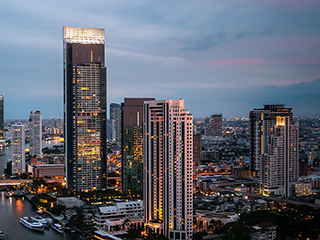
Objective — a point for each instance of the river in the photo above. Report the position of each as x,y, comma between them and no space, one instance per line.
12,209
8,153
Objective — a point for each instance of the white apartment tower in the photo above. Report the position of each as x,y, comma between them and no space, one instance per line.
36,133
168,173
275,149
18,149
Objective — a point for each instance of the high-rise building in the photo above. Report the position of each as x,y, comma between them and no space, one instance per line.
167,186
275,149
115,114
197,149
36,133
1,116
110,130
85,115
132,143
18,149
214,127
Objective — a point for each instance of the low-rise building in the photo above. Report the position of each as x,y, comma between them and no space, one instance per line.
120,210
49,170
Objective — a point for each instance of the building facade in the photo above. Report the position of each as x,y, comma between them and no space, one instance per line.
275,149
132,143
2,116
35,119
167,186
18,149
115,115
110,130
85,105
214,127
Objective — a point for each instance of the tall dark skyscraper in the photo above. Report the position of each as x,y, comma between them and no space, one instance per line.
115,115
275,149
1,115
132,143
85,105
214,127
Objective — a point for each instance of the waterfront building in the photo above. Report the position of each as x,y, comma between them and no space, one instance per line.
35,119
119,210
275,149
18,149
214,127
167,186
2,116
115,114
132,143
85,115
50,170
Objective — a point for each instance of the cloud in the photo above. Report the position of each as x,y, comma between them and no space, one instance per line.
267,31
202,43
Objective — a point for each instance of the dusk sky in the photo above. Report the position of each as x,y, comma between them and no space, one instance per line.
219,56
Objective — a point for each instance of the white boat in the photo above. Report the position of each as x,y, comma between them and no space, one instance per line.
39,211
57,227
31,224
44,221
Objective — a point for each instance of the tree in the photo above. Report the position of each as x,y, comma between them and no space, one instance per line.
8,170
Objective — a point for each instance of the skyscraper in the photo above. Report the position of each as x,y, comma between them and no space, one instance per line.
132,143
214,127
85,101
275,149
18,149
1,115
36,133
167,186
115,114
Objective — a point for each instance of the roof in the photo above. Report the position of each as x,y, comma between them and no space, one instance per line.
266,225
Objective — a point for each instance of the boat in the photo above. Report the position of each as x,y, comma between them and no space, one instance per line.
57,227
39,211
31,224
44,221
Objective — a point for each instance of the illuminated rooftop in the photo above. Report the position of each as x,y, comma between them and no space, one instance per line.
83,35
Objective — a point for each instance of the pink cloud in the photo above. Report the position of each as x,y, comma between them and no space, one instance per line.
236,61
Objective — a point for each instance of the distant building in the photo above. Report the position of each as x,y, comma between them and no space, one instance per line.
274,149
303,164
132,143
214,127
115,114
167,150
85,108
197,149
50,170
110,130
264,230
1,116
18,149
36,133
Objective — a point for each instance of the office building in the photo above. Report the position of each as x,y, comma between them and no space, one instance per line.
85,115
2,116
18,149
274,149
115,115
214,127
132,143
35,119
167,186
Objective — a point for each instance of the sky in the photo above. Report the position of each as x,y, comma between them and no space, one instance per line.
224,57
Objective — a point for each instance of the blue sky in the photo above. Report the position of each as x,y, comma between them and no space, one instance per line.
219,56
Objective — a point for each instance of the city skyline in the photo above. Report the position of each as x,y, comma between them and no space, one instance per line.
225,56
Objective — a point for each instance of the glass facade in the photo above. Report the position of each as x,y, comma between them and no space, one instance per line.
133,158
